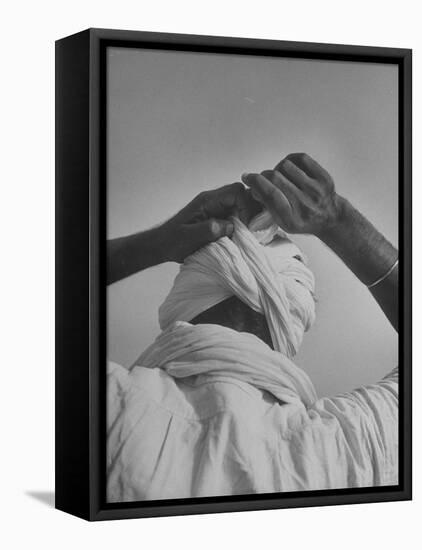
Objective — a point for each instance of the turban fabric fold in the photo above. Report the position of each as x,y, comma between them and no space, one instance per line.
260,266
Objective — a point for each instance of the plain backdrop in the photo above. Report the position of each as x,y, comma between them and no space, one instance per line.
27,276
180,123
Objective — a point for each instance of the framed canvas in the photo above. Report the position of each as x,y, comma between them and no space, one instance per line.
233,276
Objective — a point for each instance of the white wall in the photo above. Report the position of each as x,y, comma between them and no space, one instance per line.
27,290
180,123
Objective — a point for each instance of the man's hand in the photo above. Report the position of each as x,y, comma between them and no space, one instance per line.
299,193
204,220
301,197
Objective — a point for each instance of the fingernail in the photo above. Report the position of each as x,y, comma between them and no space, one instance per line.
244,176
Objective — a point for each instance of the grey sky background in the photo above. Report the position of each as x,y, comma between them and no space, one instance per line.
180,123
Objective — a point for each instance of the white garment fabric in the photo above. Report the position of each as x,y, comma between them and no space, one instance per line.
209,411
213,412
259,265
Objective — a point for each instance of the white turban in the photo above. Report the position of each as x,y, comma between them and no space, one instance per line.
260,266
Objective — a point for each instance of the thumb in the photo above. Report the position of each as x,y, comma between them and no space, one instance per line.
202,233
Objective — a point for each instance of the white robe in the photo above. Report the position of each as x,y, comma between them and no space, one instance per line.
208,411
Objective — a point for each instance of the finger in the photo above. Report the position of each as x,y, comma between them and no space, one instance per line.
294,195
218,203
269,194
297,176
221,202
207,204
309,165
233,199
202,233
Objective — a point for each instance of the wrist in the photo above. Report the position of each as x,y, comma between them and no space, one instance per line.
159,244
337,223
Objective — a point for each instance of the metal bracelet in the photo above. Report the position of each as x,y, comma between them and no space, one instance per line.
392,268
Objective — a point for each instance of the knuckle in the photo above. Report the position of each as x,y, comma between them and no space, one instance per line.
237,186
237,191
201,197
327,184
321,202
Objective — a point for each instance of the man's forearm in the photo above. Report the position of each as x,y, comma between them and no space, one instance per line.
128,255
367,253
202,221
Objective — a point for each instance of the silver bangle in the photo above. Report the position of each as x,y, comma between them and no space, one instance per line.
392,268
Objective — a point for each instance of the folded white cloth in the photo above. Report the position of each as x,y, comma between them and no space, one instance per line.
209,411
259,265
185,350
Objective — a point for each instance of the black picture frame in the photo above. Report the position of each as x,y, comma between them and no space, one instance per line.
80,272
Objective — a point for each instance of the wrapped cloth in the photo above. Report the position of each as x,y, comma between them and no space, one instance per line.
260,266
208,411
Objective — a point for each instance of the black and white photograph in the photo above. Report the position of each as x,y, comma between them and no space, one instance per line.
208,255
253,275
